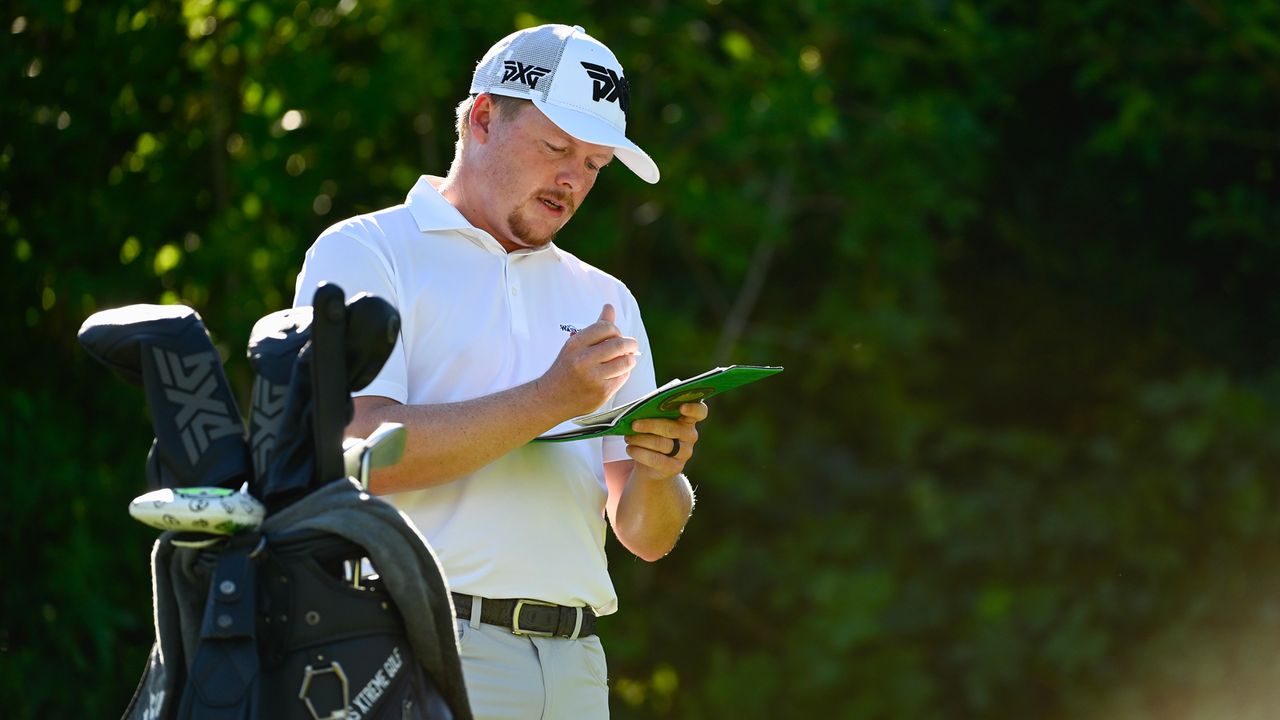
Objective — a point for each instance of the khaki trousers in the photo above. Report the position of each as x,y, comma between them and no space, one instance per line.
517,677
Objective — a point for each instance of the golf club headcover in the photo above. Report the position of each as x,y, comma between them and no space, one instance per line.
282,419
350,342
372,328
200,439
274,345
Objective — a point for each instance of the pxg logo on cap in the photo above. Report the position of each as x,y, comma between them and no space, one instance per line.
516,71
609,86
574,80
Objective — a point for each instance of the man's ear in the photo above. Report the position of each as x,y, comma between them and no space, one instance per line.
481,117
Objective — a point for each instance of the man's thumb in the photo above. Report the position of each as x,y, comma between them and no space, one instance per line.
606,313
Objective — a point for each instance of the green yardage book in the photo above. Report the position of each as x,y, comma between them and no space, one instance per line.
664,402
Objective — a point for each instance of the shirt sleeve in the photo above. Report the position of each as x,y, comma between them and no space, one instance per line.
357,265
642,376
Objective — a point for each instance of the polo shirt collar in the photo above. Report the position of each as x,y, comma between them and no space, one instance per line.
430,210
433,213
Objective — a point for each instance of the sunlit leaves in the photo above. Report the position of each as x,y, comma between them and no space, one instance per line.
167,258
737,46
130,250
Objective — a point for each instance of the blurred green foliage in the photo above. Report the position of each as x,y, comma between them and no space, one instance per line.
1018,259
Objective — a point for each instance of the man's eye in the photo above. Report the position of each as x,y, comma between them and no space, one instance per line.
553,148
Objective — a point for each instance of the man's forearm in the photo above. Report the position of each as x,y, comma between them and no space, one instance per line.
449,440
651,513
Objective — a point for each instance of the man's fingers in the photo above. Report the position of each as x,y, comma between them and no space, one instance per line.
601,328
606,350
656,451
616,346
664,464
693,412
654,443
596,332
657,443
656,433
617,367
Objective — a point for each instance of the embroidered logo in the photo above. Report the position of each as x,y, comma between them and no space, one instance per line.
365,701
609,86
521,73
570,329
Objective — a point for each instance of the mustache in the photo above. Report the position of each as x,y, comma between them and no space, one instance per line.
563,198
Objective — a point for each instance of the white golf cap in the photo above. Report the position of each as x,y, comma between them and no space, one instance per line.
573,79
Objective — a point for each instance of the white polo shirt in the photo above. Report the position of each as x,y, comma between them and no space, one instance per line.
476,320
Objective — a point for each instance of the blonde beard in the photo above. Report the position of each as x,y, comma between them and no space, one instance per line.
522,234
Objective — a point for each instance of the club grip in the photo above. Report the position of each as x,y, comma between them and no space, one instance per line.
329,379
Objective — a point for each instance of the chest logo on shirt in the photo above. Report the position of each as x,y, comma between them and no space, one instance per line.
570,329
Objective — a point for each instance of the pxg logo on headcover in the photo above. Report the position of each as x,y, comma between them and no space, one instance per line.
190,382
609,86
519,72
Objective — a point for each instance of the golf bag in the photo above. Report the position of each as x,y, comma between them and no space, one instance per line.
278,620
265,625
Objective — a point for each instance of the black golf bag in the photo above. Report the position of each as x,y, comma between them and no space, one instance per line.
281,621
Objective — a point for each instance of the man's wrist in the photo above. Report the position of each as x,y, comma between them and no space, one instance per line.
647,474
545,402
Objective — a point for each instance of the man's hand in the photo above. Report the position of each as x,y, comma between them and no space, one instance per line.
656,437
649,498
592,365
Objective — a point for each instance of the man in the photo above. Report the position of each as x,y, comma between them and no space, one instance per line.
506,336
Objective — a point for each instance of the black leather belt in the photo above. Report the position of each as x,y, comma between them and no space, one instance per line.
530,617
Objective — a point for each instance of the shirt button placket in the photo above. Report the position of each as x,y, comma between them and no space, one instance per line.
519,320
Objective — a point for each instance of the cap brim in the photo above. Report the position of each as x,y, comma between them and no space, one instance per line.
591,129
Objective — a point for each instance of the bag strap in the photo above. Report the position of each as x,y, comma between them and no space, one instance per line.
223,683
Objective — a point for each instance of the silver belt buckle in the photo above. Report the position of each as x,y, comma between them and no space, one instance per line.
515,619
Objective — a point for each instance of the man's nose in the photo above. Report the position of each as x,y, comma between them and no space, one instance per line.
571,176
